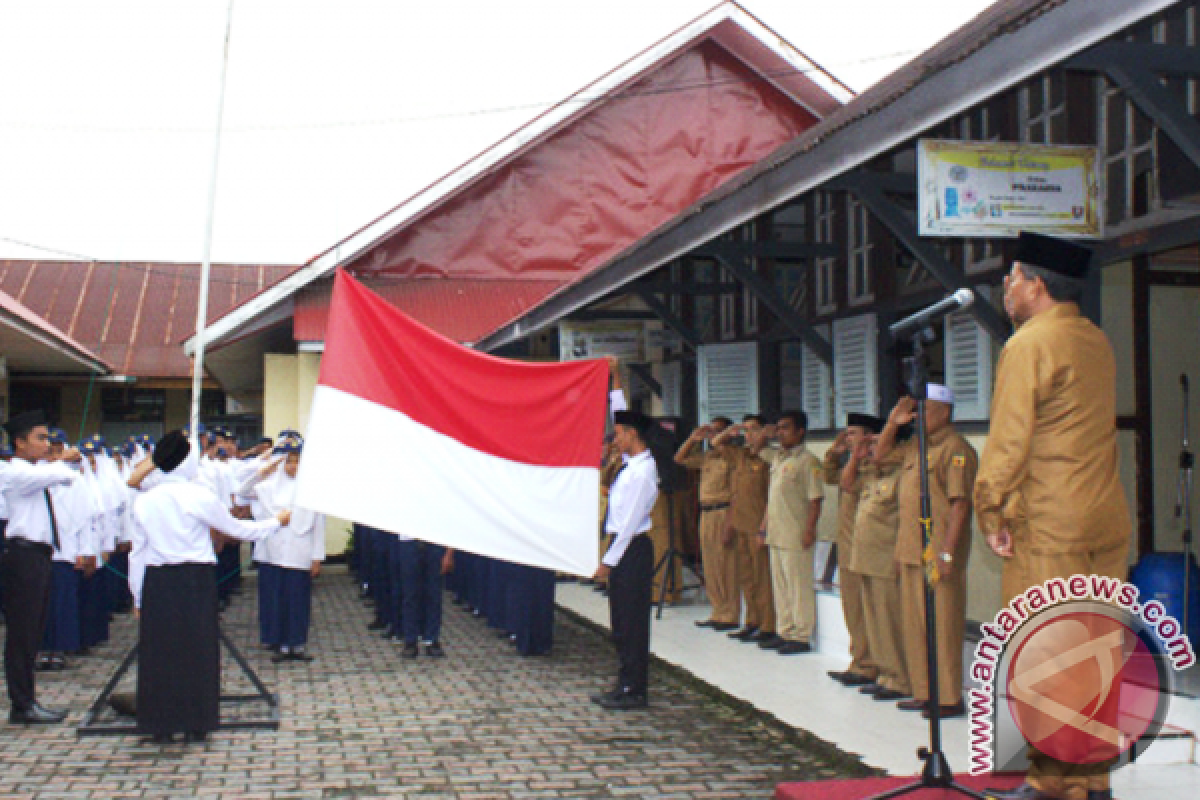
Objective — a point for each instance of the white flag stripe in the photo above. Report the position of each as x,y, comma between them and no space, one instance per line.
410,479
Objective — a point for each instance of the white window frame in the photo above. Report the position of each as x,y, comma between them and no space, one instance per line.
1044,120
670,377
714,359
858,222
826,298
855,336
979,255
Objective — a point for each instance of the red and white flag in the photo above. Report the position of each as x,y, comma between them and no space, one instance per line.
412,433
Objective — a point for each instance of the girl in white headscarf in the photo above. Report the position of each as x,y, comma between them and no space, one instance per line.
289,559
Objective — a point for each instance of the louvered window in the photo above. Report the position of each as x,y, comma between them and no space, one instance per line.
854,366
818,379
672,388
727,380
968,366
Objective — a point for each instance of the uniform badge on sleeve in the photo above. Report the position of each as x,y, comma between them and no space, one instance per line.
959,461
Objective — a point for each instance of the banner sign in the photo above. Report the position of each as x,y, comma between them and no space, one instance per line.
583,340
997,189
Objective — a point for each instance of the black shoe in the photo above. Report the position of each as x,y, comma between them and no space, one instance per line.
602,697
840,677
377,625
851,679
889,694
434,650
870,689
35,716
299,655
195,736
794,648
281,656
745,634
722,627
762,636
158,738
410,650
705,623
774,643
1100,794
624,701
912,705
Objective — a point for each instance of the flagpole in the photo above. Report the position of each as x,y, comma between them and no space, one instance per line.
206,264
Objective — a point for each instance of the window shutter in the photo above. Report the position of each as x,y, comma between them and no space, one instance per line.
854,366
968,366
818,397
728,380
671,379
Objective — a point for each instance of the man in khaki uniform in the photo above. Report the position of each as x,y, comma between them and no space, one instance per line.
748,504
862,669
1049,498
790,531
952,465
873,557
717,556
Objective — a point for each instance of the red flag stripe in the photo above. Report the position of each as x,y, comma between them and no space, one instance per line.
541,414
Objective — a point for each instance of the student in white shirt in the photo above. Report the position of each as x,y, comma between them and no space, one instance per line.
288,559
175,589
30,537
628,566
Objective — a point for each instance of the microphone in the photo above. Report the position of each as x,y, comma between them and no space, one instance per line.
919,321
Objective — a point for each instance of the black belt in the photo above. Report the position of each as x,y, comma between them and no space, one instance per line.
23,543
714,507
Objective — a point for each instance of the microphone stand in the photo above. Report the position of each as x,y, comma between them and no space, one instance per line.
1183,501
936,773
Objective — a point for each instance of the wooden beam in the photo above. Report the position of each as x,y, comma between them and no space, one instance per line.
1167,236
662,287
1134,70
643,373
778,306
902,225
775,250
1178,278
600,315
1143,403
660,310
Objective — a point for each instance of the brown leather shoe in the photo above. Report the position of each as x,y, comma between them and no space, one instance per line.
912,705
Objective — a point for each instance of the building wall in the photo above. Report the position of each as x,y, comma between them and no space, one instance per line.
289,382
74,401
178,411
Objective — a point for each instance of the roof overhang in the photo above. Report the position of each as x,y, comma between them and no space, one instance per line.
30,344
728,24
836,146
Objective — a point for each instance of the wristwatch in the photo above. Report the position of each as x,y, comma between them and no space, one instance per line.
946,558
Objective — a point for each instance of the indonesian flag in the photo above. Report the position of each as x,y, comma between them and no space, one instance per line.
412,433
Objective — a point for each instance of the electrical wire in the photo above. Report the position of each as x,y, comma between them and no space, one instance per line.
450,115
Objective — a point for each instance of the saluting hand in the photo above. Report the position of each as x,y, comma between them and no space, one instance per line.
840,443
904,412
72,455
284,517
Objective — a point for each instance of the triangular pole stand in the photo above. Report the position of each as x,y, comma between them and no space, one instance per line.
92,726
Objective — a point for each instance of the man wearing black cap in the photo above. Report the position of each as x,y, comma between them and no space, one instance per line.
1048,497
863,669
628,566
32,535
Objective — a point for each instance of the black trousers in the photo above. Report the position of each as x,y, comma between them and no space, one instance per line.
26,568
630,600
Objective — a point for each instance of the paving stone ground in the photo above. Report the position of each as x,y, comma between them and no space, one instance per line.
359,721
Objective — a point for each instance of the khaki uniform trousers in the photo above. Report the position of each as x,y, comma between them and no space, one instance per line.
950,595
863,661
795,600
881,608
720,568
754,579
1026,569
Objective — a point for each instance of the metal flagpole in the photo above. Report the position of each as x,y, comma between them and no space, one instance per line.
206,264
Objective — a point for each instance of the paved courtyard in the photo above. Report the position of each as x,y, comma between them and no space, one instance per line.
360,721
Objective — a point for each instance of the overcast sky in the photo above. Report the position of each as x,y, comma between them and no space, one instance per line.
335,111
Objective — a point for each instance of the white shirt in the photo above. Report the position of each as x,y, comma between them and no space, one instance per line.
630,503
299,544
24,483
171,525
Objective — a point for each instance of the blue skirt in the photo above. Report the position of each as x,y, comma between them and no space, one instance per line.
295,605
268,604
93,608
62,634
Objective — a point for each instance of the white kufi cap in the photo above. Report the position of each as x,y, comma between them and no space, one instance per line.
935,391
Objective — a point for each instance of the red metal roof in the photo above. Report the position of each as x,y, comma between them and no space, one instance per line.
23,316
464,310
133,315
